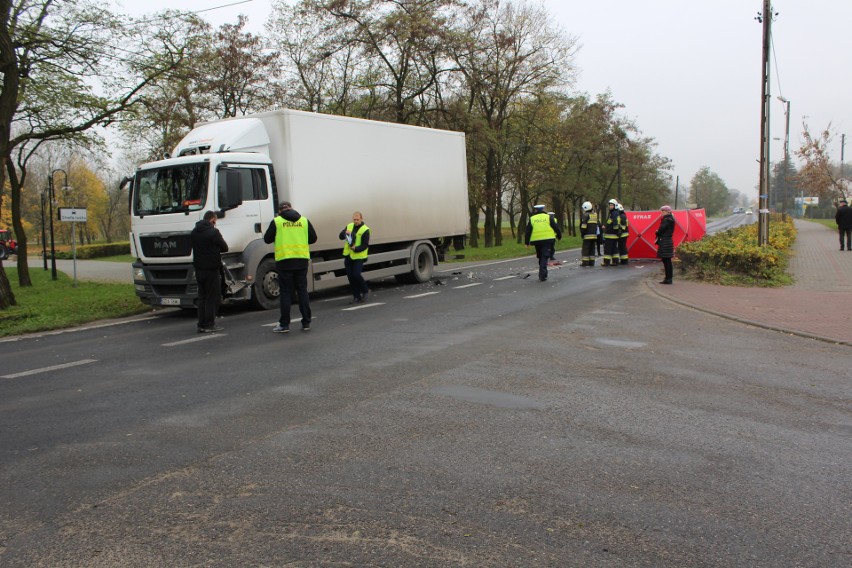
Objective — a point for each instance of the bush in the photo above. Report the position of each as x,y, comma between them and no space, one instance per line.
96,251
734,257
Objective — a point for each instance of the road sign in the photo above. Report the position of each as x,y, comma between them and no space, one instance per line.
73,214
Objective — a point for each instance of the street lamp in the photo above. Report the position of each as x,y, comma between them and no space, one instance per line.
52,197
43,232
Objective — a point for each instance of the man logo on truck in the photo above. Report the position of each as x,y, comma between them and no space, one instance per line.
165,245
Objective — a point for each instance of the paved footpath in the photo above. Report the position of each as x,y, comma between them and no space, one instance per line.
815,306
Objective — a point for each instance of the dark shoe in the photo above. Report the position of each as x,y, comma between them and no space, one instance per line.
203,330
665,282
215,329
306,327
280,329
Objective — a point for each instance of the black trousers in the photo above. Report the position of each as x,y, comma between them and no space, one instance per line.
667,266
356,280
209,296
543,250
848,233
288,282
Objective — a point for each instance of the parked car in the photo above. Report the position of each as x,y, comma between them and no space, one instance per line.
748,212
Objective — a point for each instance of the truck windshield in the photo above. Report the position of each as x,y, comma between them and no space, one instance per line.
170,190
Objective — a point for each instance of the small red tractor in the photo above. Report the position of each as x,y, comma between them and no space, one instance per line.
8,246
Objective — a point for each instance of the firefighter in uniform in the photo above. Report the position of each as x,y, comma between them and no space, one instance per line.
622,238
589,232
612,232
542,232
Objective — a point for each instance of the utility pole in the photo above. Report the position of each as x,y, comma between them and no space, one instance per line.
786,153
677,189
763,198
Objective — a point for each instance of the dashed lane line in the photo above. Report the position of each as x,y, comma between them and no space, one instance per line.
467,285
204,337
48,369
504,278
420,295
362,306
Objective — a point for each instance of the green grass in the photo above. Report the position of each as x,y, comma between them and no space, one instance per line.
49,304
825,222
511,249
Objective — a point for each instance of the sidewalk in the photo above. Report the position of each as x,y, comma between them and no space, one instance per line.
815,306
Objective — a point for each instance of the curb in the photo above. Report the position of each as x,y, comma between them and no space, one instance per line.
651,286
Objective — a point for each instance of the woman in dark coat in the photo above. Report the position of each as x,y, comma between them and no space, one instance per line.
665,244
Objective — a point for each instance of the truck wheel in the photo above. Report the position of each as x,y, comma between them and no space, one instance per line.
4,253
422,264
265,290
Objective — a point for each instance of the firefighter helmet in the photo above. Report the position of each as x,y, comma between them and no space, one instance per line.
613,202
586,206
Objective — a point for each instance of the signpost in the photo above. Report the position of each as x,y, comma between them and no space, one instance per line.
73,215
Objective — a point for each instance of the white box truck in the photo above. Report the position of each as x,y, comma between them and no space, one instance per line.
410,183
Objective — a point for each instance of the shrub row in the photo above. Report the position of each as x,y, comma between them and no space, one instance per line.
734,257
96,251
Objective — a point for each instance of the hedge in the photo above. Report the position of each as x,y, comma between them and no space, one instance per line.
734,257
96,251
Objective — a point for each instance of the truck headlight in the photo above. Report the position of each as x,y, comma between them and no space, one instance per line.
139,274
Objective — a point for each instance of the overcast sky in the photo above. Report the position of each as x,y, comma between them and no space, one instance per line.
687,72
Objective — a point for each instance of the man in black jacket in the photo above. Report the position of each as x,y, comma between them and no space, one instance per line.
207,248
843,218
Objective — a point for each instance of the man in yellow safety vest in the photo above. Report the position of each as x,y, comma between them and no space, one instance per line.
356,237
542,232
292,235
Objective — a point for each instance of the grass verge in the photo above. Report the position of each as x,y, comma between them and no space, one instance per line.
511,249
49,304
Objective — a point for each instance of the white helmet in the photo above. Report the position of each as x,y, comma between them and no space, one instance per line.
586,206
620,207
613,202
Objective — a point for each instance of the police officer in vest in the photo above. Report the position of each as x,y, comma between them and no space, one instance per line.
291,234
589,232
357,240
542,232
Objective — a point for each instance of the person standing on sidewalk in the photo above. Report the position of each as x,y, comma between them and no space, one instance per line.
843,218
207,248
292,235
665,242
357,241
542,231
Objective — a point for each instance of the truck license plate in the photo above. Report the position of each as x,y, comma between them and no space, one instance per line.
170,301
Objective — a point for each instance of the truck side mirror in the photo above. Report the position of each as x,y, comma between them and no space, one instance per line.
231,195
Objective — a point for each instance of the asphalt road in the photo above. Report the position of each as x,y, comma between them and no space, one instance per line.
482,419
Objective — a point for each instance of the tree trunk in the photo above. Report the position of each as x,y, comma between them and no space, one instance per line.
473,212
20,233
7,298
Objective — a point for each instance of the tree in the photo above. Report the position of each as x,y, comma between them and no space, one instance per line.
708,191
50,52
506,53
819,176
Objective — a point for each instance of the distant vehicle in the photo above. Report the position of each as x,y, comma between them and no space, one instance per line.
738,210
8,246
748,212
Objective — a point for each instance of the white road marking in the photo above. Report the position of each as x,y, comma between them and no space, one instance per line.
504,278
51,368
467,285
420,295
362,306
204,337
